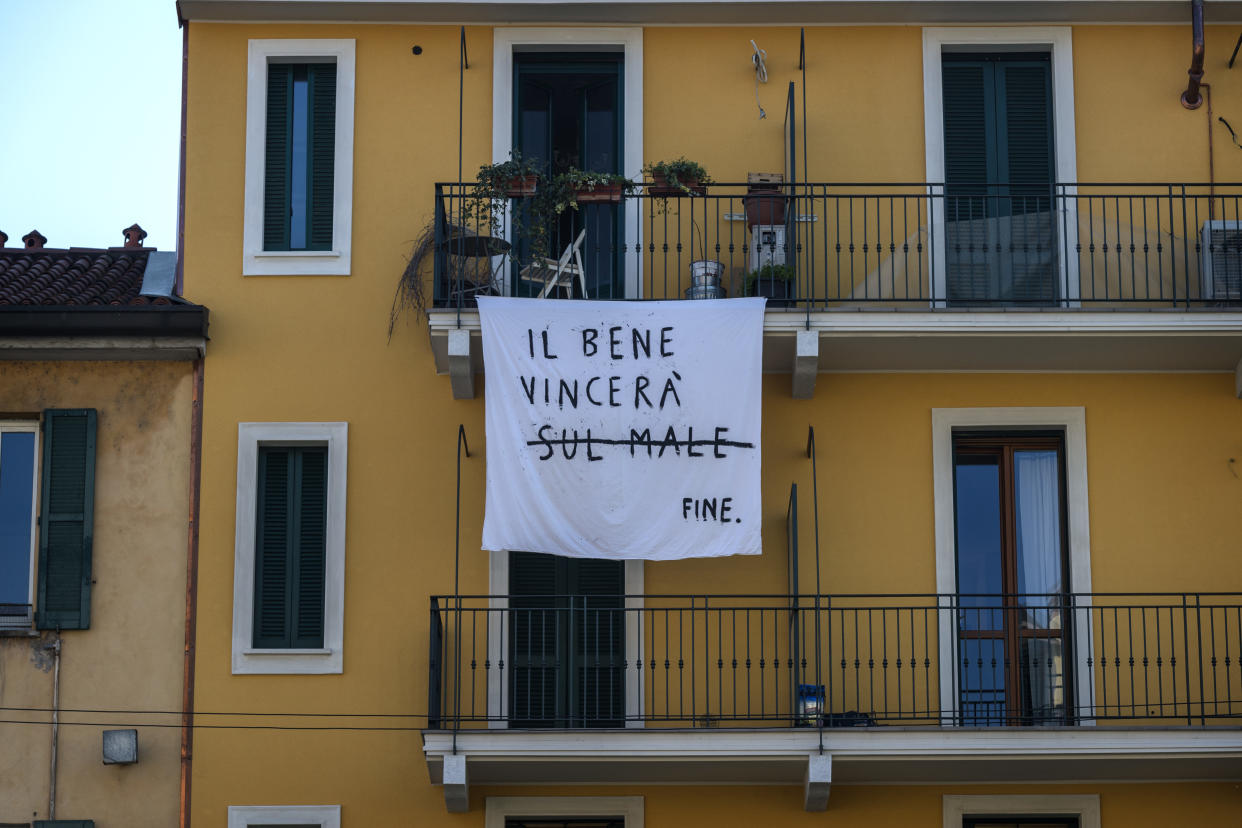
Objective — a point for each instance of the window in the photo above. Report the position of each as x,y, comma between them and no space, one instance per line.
299,157
289,560
1022,811
1012,611
950,426
286,816
998,145
55,572
567,644
505,811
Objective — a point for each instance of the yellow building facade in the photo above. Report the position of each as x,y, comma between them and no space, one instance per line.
1007,245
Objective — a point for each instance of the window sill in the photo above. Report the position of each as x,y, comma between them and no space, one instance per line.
296,263
262,661
286,651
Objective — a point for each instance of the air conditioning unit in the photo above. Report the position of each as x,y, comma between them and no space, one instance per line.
1220,247
767,245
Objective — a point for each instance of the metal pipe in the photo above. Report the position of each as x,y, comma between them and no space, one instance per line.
51,787
191,595
185,88
1191,99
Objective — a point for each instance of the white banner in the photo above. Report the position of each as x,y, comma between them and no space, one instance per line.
623,429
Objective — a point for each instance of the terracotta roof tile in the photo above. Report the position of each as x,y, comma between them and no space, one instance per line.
74,277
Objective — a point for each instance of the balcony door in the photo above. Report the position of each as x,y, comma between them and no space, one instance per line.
567,114
566,642
999,210
1012,618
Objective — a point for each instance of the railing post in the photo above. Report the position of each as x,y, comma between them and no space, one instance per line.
1199,660
1190,719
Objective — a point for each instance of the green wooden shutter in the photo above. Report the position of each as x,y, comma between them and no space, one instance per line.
279,157
536,634
66,515
290,547
598,641
322,132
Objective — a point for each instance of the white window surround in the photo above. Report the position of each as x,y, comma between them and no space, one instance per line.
1059,41
1084,806
505,41
29,427
323,816
335,262
498,639
248,659
1073,421
497,808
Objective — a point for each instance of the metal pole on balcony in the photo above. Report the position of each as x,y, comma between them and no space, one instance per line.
806,177
810,452
462,65
461,443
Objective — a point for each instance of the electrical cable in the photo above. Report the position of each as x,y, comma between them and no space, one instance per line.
759,60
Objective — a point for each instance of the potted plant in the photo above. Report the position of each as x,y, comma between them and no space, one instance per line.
765,199
574,186
516,178
677,178
775,281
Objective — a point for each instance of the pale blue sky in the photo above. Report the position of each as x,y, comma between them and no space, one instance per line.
90,125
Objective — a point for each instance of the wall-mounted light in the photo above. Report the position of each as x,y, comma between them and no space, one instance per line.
120,747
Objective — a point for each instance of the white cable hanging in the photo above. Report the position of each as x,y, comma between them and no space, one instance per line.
759,59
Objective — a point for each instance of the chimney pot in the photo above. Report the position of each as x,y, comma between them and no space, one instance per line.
34,240
4,238
134,236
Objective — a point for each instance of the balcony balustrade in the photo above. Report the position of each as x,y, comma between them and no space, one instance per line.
825,247
835,661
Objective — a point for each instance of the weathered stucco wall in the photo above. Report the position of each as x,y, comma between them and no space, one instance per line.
131,657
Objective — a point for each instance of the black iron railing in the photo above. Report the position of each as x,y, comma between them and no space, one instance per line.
829,246
835,660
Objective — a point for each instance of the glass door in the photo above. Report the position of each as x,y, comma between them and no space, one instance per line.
1013,644
568,114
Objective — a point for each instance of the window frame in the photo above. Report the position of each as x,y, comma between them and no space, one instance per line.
1059,41
30,427
324,816
497,808
1070,420
248,659
1086,807
333,262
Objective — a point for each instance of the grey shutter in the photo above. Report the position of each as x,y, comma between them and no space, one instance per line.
969,166
598,641
66,516
536,637
278,157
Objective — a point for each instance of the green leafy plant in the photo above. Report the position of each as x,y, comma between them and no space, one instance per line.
768,273
565,190
495,184
679,175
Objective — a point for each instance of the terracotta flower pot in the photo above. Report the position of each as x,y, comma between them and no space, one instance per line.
604,193
765,207
659,186
522,186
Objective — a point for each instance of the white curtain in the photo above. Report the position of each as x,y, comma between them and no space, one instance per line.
1038,512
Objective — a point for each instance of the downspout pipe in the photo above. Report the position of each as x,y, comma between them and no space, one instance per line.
191,596
1191,98
51,785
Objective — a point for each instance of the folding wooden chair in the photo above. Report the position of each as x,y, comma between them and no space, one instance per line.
560,272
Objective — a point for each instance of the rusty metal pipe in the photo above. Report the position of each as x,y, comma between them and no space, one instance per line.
191,593
1191,98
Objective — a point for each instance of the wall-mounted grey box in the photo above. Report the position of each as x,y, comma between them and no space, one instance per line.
120,747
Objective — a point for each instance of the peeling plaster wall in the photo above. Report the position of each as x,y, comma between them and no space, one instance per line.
131,657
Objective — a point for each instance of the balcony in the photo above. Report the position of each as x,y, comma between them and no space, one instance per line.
894,688
887,276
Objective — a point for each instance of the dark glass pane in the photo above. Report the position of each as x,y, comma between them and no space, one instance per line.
978,519
300,165
16,501
1043,680
981,663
